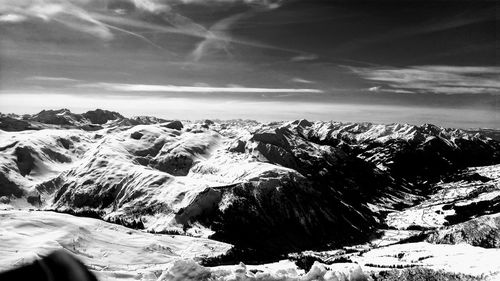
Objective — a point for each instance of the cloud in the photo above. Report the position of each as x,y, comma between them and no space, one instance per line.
63,12
51,79
216,37
436,79
90,16
191,89
304,57
151,6
303,81
133,17
378,89
12,18
268,4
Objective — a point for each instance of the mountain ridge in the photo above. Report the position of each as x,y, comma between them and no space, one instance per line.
293,182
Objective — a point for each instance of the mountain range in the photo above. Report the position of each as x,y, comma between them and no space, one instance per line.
268,189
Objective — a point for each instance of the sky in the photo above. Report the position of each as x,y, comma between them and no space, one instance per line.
409,61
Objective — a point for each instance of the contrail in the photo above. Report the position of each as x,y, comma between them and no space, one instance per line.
136,35
197,33
216,35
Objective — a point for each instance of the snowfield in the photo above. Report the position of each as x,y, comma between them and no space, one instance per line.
461,258
112,251
374,196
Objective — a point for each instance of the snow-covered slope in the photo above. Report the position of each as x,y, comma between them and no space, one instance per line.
189,181
474,192
463,258
279,186
32,157
112,251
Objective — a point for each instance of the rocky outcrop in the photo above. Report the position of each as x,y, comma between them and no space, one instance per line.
483,231
55,117
24,160
176,125
100,116
9,188
10,124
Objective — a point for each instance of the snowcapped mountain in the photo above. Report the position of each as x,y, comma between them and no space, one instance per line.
63,118
268,189
294,184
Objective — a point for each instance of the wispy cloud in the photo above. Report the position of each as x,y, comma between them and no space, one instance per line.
63,12
216,37
304,57
191,89
378,89
95,18
434,79
51,79
302,81
12,18
268,4
82,16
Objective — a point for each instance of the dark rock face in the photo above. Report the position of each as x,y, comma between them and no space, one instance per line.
100,116
25,161
483,231
237,146
8,188
473,209
176,125
4,200
66,143
276,137
56,156
56,117
14,125
34,199
202,207
277,155
136,135
287,214
174,164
